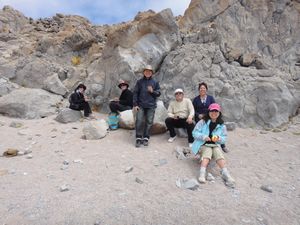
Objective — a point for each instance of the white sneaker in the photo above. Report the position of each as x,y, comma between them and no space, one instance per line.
201,178
229,181
190,145
171,139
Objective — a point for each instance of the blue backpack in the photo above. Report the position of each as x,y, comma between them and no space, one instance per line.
113,121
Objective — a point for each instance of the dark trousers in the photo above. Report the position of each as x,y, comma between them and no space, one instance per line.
117,107
180,123
82,106
143,122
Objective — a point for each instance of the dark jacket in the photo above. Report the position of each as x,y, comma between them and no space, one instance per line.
75,100
202,108
141,96
126,98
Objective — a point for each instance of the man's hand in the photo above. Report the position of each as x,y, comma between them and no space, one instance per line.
136,108
150,89
86,99
189,120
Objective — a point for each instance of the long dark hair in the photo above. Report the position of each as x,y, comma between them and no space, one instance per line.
218,121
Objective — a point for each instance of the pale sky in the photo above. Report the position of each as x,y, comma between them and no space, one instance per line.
97,11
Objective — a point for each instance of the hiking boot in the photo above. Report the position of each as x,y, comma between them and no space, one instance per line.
171,139
225,149
201,177
138,142
146,141
229,181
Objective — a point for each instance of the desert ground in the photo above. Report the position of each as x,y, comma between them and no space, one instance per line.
99,191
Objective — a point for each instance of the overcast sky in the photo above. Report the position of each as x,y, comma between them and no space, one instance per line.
97,11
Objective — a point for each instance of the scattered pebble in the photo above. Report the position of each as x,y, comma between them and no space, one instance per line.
64,167
66,162
64,187
138,180
191,184
15,124
128,169
267,188
179,153
21,153
77,161
29,156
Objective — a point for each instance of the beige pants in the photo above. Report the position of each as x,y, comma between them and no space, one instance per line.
211,152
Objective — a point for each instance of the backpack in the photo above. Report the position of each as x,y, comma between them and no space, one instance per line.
113,121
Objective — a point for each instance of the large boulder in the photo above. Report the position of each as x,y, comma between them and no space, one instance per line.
95,130
29,103
127,120
68,115
54,85
160,116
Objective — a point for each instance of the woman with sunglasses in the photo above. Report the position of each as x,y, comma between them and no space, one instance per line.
209,133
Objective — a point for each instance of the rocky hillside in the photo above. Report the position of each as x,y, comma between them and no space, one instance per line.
247,51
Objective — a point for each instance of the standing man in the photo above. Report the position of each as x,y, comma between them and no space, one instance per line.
180,115
145,93
125,101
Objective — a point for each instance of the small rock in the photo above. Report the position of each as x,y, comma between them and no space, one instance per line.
263,132
98,222
64,167
15,124
64,187
179,153
66,162
2,123
23,132
77,161
27,151
191,184
230,126
29,156
138,180
128,169
267,188
246,220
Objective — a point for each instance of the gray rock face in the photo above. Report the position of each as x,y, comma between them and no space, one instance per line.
6,86
127,120
54,85
29,103
147,40
68,115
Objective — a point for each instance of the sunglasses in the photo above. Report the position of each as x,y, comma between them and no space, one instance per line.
214,110
178,93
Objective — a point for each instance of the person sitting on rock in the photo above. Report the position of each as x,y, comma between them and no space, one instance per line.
125,101
209,133
180,115
78,101
201,104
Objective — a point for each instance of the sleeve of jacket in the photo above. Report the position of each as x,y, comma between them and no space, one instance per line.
136,92
198,132
195,107
156,92
170,110
223,135
191,108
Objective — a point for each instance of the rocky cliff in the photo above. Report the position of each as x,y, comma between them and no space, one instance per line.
247,51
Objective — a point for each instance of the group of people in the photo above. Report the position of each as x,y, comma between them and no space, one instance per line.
207,137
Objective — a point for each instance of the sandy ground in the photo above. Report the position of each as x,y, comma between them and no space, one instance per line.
101,192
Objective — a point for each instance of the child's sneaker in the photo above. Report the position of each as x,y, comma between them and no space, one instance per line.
229,181
201,177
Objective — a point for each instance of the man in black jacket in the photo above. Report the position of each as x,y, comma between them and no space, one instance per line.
78,101
125,100
145,93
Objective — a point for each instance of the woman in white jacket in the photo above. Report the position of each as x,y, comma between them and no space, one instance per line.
209,133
